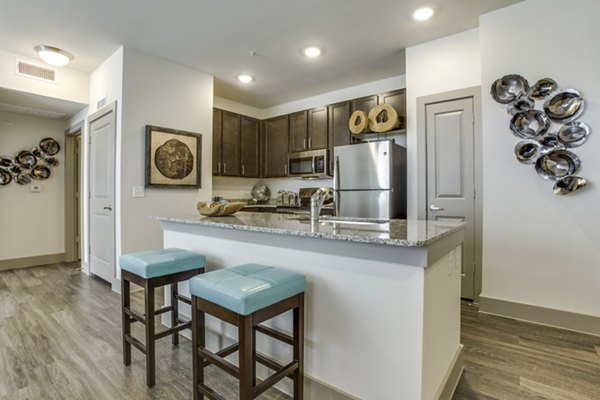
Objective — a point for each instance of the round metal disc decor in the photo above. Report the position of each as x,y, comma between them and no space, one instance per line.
569,184
40,172
49,146
543,88
5,177
51,161
527,151
573,134
565,106
522,104
15,169
6,162
26,159
37,152
529,124
557,164
509,88
548,142
23,178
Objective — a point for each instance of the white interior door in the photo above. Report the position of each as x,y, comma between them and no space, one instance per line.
450,174
102,196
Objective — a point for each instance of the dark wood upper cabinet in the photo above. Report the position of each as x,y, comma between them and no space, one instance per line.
276,144
317,128
217,149
250,147
396,99
364,104
230,132
339,133
298,131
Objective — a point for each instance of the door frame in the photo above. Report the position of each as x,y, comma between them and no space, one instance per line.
110,107
71,227
471,92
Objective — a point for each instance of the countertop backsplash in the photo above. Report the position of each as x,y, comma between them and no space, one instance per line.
240,188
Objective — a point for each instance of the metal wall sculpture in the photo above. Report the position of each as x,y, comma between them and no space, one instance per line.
546,132
28,165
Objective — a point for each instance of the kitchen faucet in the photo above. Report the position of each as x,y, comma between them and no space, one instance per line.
316,203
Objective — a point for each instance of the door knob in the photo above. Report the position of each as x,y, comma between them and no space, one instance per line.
109,208
433,207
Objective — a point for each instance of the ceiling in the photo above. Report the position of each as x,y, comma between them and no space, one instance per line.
363,41
36,105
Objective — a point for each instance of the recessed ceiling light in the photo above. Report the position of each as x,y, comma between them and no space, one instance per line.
312,52
423,13
53,55
245,78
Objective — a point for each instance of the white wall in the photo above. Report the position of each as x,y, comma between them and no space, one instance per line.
234,106
33,223
539,248
443,65
162,93
72,85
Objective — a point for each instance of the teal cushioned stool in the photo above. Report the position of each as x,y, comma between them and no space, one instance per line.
153,269
246,296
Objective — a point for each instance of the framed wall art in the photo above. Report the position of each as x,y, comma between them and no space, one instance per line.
173,158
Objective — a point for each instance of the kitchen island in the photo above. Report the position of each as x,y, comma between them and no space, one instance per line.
382,300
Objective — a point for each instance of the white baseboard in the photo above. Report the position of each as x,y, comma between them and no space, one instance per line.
541,315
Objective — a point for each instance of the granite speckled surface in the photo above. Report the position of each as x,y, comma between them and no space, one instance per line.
405,233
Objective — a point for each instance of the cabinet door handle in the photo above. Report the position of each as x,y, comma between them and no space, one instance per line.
224,168
219,168
285,169
304,143
309,143
242,170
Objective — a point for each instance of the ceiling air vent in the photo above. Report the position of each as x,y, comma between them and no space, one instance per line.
36,71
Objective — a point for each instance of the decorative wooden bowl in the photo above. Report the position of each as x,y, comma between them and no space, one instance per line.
219,209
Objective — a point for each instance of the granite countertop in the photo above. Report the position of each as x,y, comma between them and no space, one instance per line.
404,233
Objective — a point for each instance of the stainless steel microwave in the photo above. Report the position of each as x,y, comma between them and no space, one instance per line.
308,164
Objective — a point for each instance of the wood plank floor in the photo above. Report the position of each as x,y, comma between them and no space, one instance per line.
60,339
509,360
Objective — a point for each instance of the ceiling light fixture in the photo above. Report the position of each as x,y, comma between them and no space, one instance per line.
312,52
245,78
53,55
423,13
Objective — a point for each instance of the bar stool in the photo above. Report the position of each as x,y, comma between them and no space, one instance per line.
245,296
151,270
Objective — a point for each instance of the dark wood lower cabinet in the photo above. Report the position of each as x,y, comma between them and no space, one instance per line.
275,154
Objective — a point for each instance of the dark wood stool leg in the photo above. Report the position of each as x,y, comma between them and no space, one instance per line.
198,340
125,304
246,353
253,356
150,344
299,348
174,313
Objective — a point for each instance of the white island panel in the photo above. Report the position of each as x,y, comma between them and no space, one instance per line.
365,308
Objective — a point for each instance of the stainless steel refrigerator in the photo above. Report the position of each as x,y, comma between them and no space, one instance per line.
370,180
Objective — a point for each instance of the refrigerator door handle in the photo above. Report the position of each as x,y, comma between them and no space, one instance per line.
336,186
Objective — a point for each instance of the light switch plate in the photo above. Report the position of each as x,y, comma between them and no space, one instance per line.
35,188
138,191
